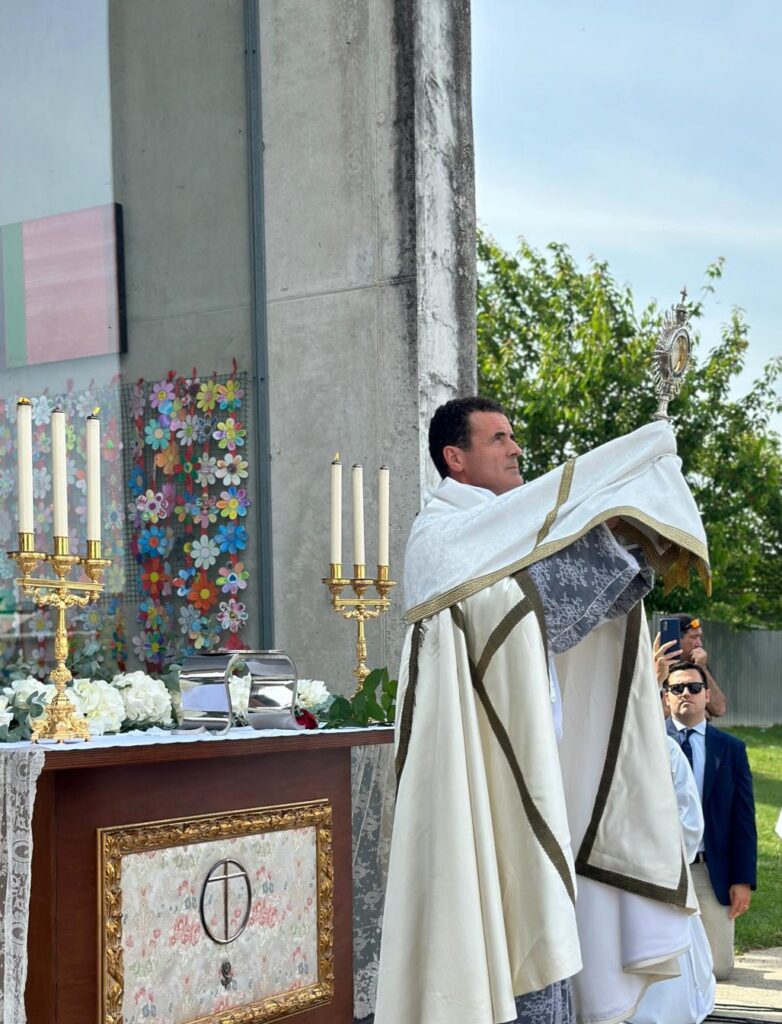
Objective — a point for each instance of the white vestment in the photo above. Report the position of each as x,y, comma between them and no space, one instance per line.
688,999
493,823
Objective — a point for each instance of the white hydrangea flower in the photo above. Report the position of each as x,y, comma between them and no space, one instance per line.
146,699
20,691
6,712
312,694
101,704
240,693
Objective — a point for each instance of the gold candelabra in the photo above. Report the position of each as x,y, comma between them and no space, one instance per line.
359,608
60,720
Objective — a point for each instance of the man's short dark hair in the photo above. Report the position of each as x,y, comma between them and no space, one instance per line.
688,666
451,425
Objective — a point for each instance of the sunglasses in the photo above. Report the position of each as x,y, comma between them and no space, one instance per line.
679,688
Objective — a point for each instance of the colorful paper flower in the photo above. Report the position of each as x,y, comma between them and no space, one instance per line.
206,470
232,538
156,578
232,615
137,482
42,482
161,396
230,434
155,540
207,635
42,442
188,617
229,395
152,506
232,469
233,578
138,401
233,503
168,459
185,508
188,429
183,580
41,410
204,513
203,592
156,435
204,551
207,396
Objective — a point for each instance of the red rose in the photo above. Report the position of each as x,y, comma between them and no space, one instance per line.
306,718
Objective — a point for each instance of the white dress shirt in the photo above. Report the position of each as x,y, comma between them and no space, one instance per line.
698,744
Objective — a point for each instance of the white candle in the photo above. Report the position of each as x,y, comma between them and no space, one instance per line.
93,476
24,463
59,475
383,489
336,511
358,516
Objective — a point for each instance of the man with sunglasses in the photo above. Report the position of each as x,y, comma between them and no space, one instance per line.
724,870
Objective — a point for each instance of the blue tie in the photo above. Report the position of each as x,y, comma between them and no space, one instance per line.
686,745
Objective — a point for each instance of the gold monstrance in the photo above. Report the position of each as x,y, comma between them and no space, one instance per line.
672,355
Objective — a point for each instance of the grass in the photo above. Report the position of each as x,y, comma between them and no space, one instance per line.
761,926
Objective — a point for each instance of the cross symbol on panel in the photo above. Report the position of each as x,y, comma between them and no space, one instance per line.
221,873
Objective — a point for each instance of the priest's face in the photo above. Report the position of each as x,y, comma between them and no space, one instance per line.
492,460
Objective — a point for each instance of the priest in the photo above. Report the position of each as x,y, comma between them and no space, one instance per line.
537,870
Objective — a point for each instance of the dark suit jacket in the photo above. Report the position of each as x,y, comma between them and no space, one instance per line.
729,837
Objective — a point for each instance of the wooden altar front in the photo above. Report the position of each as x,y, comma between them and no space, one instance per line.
89,799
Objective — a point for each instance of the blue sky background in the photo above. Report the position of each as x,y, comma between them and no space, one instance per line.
644,134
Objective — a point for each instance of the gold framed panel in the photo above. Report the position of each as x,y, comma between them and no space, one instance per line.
117,842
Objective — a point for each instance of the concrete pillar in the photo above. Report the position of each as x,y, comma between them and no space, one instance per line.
371,280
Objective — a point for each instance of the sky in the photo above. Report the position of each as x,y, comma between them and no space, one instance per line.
644,134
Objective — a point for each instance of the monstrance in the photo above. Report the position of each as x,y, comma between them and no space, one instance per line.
672,355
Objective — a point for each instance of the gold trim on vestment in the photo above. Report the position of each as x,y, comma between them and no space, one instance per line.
538,824
651,890
690,546
117,842
562,496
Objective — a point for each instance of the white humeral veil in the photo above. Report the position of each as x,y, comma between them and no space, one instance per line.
494,823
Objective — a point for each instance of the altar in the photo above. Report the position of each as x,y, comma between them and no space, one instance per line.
182,878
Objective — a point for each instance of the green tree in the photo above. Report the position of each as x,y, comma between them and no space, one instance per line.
569,356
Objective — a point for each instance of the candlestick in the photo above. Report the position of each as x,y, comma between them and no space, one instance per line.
360,608
59,475
358,516
24,462
383,494
93,477
336,511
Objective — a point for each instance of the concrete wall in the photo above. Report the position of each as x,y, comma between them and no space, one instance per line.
369,250
369,209
179,126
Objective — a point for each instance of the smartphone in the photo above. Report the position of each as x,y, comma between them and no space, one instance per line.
670,629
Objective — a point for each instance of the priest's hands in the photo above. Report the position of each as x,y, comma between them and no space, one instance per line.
740,899
664,658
